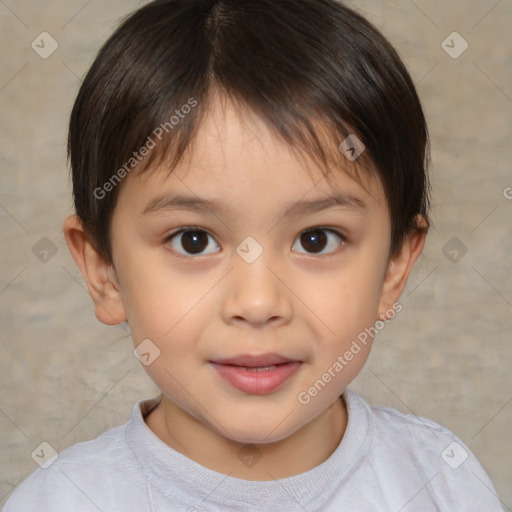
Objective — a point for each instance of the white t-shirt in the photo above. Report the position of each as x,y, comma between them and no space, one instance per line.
386,461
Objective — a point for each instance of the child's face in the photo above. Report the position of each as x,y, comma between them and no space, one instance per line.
304,299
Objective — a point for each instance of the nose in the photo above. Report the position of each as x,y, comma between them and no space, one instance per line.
257,295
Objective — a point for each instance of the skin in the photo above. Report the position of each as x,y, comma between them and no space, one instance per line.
304,305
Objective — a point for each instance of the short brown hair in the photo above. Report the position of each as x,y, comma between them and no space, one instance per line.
295,63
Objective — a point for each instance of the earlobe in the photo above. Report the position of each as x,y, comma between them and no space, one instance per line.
98,274
399,269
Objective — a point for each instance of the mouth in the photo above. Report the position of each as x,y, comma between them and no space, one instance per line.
256,375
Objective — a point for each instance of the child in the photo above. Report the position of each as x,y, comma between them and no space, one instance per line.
251,195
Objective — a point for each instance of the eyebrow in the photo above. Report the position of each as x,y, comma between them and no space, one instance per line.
212,206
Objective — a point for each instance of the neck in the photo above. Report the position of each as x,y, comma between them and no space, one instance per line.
305,449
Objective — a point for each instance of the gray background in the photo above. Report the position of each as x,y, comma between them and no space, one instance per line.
66,378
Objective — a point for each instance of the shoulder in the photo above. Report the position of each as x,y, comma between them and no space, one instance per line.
424,441
79,477
402,426
392,434
390,428
409,451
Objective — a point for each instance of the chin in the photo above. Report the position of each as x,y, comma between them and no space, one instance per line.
260,432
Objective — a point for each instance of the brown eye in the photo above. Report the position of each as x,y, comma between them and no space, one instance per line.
315,241
191,242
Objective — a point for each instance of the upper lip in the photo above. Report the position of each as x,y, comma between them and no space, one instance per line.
255,361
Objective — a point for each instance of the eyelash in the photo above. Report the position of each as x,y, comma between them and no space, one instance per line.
187,229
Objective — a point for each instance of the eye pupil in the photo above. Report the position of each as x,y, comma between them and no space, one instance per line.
316,240
194,241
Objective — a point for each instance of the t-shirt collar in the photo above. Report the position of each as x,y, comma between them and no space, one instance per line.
173,474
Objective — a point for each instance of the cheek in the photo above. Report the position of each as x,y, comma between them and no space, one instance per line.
347,305
154,301
346,301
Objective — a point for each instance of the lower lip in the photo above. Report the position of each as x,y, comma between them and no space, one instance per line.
257,382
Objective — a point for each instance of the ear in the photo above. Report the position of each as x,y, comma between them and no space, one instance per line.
400,267
99,275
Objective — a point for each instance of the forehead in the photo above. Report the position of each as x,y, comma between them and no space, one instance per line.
236,158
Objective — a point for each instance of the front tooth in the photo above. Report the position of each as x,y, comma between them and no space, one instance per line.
260,368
